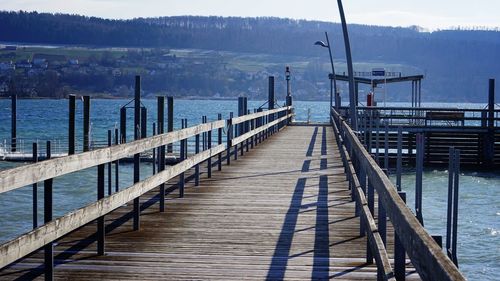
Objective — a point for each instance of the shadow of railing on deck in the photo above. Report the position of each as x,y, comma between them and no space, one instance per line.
321,251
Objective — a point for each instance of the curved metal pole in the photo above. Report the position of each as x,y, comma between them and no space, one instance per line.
333,73
352,102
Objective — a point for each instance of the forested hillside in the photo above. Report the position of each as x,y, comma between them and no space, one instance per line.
456,63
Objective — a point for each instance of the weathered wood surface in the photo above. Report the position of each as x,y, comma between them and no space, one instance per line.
282,211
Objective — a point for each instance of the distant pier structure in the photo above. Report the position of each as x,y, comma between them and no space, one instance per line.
475,132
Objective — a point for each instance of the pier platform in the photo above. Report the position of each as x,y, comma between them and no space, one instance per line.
281,211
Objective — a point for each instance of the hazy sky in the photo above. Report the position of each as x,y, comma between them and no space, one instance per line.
431,14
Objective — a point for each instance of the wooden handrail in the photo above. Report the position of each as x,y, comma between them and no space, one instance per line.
242,138
426,256
37,172
248,117
374,238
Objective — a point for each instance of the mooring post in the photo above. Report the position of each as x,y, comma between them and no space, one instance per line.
137,160
100,220
449,214
209,147
144,122
13,130
123,124
71,124
418,180
196,151
399,160
399,252
452,214
183,154
259,123
47,217
35,189
86,123
229,137
204,134
236,146
117,165
219,141
455,206
241,112
154,150
247,128
109,165
160,119
241,126
170,120
270,102
252,127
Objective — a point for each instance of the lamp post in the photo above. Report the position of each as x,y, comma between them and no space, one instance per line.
333,89
352,100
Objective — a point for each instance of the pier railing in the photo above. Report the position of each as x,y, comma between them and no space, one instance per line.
245,130
366,178
426,116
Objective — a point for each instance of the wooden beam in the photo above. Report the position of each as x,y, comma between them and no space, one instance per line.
36,172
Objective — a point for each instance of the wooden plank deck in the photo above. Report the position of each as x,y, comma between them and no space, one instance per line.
282,211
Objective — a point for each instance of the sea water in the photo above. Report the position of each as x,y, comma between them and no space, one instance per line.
41,120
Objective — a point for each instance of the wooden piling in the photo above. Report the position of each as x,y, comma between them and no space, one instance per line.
109,166
123,125
47,217
160,119
100,221
219,142
13,127
117,165
170,120
35,189
71,124
137,136
419,174
86,123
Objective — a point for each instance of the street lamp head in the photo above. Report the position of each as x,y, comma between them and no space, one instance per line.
321,43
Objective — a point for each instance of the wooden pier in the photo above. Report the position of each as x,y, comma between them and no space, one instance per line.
291,202
275,213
